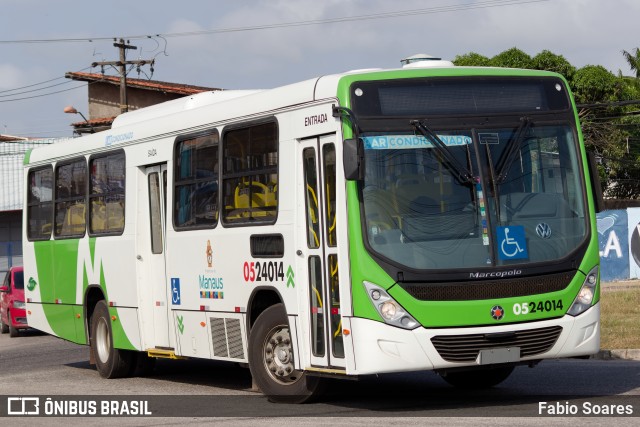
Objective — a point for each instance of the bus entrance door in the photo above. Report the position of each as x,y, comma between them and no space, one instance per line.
319,249
153,305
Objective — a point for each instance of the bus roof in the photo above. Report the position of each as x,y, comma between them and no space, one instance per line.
204,110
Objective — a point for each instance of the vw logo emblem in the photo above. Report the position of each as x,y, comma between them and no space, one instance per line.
543,230
497,312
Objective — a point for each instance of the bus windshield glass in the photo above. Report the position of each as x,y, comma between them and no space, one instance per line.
472,197
419,213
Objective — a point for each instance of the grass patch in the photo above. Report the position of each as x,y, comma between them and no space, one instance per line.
620,316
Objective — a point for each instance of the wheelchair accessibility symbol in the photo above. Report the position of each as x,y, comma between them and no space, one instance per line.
175,291
512,243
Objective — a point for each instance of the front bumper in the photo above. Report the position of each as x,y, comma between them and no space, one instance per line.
379,348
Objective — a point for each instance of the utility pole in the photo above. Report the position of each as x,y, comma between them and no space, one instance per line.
122,69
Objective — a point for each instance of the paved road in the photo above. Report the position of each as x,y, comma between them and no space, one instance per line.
41,365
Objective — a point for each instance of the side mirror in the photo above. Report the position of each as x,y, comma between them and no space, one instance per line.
353,159
596,186
4,289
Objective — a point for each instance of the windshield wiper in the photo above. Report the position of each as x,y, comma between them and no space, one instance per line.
460,172
503,165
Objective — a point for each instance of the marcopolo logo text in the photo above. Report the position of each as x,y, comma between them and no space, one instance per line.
494,274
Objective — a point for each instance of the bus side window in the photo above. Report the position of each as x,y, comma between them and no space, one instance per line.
107,194
250,174
40,204
196,181
70,199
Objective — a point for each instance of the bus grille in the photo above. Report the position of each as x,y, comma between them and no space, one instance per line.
489,289
226,336
465,348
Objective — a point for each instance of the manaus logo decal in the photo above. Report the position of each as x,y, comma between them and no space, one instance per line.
209,254
31,285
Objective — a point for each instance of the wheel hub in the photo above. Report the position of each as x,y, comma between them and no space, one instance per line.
278,357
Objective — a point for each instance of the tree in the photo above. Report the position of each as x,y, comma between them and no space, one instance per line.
594,83
633,60
471,59
549,61
610,130
512,58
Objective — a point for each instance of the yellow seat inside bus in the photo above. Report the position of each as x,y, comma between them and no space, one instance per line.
263,200
74,220
106,216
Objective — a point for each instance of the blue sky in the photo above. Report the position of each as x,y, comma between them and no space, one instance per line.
584,31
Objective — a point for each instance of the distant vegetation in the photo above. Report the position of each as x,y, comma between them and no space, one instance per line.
608,108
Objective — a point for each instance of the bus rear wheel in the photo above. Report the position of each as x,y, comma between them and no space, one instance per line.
271,360
479,378
110,362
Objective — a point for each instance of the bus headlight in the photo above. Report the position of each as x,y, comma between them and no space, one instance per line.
587,293
19,304
392,312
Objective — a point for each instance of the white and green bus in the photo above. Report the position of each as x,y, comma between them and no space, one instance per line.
424,218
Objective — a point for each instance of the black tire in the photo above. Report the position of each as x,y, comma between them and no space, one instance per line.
478,379
13,332
110,362
271,360
4,328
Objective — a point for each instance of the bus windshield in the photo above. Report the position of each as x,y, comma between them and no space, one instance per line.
488,197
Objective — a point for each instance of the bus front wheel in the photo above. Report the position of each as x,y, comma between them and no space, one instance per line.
271,360
479,378
110,362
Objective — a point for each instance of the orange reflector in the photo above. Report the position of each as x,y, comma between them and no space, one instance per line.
113,318
203,324
29,312
346,332
78,316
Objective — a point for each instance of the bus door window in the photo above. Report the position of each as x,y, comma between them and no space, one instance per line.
311,199
316,290
155,214
329,171
317,306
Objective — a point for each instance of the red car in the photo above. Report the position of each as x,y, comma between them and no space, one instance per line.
13,316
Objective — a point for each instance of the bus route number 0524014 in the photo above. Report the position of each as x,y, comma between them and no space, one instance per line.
532,307
266,271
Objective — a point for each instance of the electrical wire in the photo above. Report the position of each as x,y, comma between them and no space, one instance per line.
35,90
385,15
47,94
38,84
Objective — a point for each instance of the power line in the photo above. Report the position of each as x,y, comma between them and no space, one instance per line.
46,94
37,84
34,90
385,15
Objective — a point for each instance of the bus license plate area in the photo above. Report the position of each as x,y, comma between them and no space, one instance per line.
498,355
